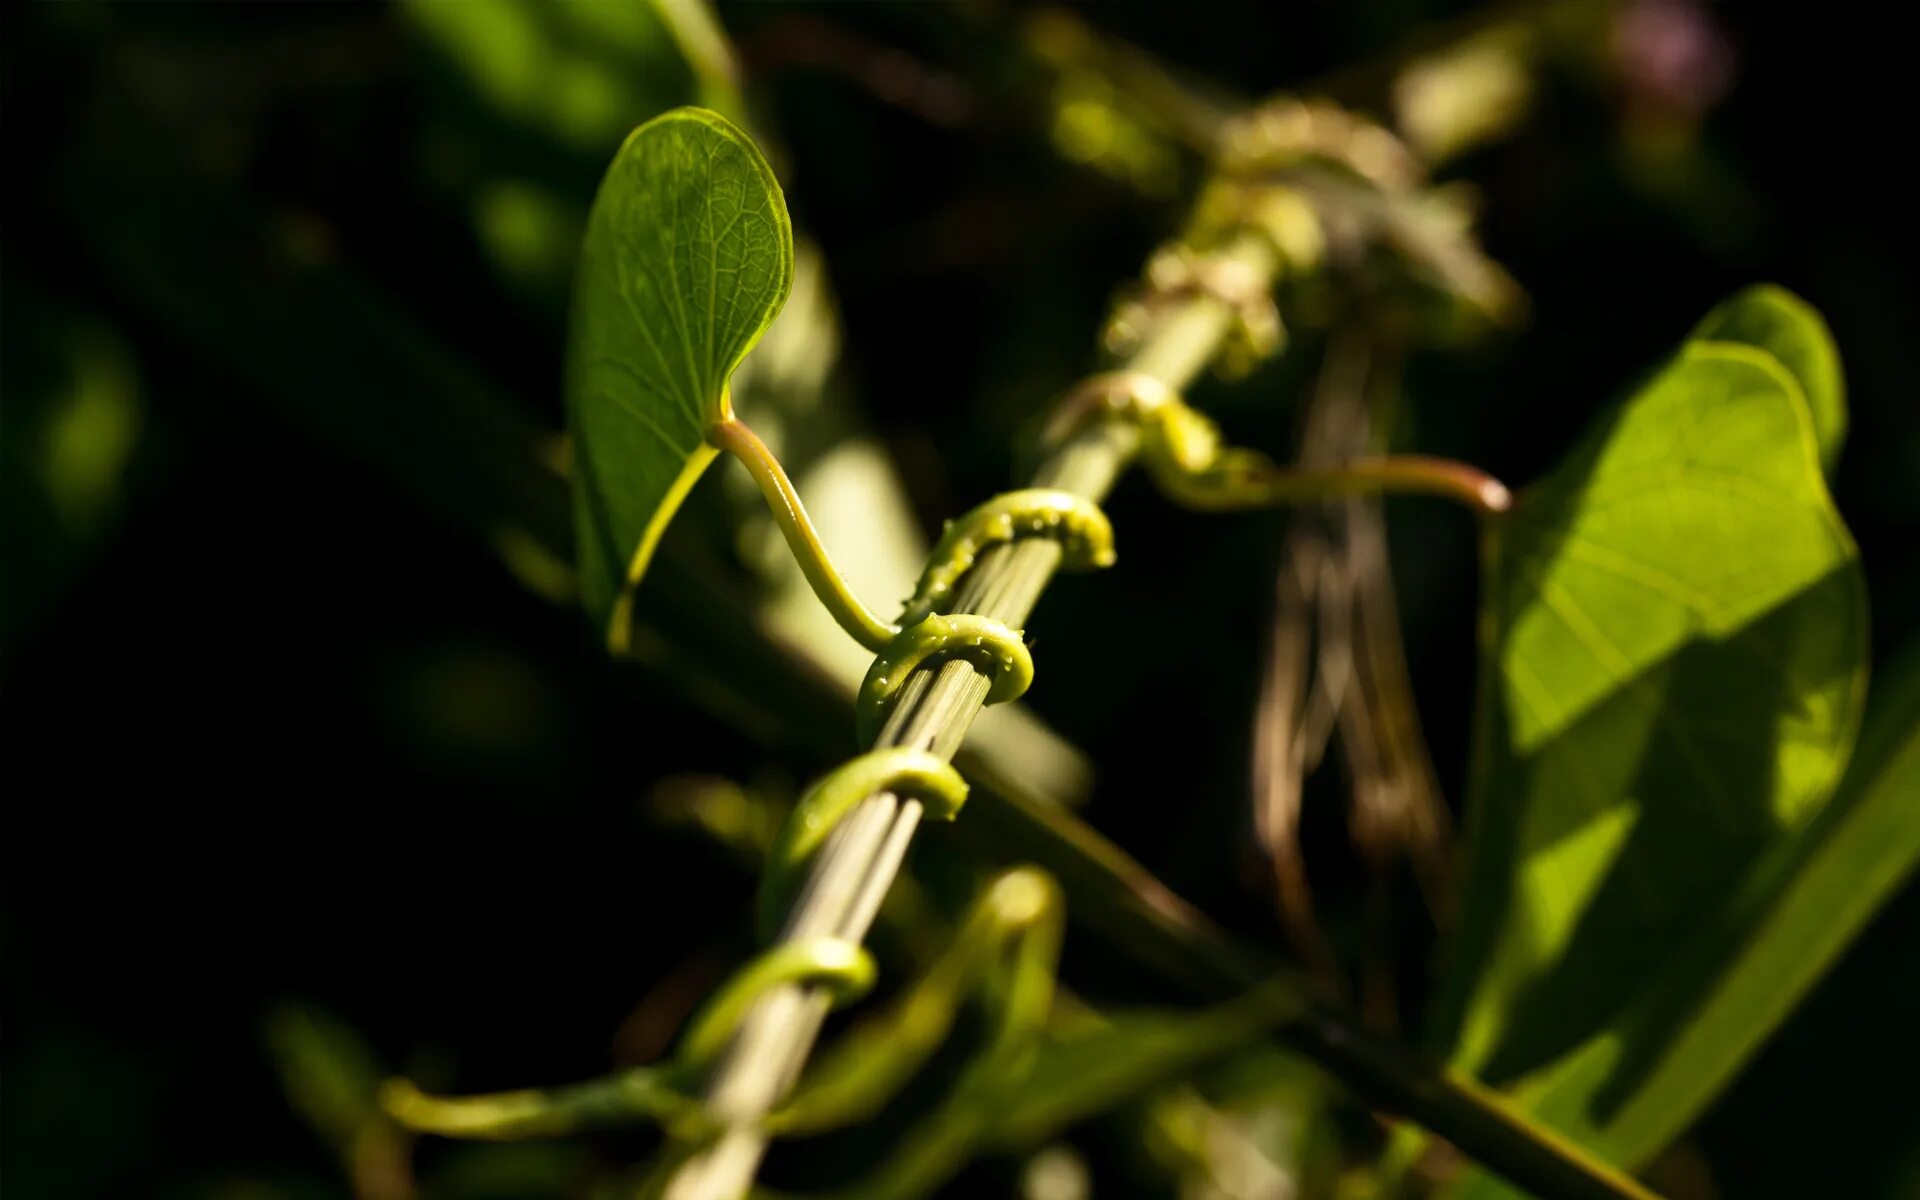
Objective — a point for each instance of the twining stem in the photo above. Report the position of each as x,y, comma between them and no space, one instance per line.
857,619
937,706
1263,485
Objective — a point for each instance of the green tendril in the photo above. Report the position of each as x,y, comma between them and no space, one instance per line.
844,968
1189,461
997,651
620,1099
909,774
783,502
1007,949
1084,534
663,1092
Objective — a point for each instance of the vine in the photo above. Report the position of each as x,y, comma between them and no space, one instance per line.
1195,308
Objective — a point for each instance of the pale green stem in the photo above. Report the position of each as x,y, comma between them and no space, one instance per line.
857,619
704,47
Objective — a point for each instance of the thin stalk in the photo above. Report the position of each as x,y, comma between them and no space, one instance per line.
1268,485
860,622
852,873
704,46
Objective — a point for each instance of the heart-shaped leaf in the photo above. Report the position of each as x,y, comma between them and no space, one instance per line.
1629,1092
687,259
1676,661
1773,319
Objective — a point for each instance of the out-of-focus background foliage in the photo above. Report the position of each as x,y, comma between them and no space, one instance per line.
312,774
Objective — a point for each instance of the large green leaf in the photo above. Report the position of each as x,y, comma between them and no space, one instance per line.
688,257
1628,1093
1773,319
1676,626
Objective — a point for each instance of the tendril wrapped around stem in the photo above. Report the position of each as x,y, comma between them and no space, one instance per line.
1083,531
910,774
998,651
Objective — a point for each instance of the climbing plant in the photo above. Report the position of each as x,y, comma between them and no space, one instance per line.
1664,840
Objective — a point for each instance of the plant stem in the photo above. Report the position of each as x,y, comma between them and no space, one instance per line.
853,871
857,619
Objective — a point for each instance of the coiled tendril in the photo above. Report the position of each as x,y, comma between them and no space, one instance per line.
844,968
991,646
910,774
1085,536
926,634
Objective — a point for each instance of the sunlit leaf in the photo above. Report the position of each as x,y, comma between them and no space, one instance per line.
1793,332
687,259
1677,635
1738,976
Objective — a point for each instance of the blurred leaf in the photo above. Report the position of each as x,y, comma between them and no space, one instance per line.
1676,625
581,71
1468,92
530,232
687,259
328,1072
1628,1093
68,431
1773,319
521,1171
331,1078
1080,1074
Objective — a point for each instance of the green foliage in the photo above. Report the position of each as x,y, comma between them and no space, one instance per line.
687,259
1676,656
69,432
1083,1072
1676,618
1772,319
1739,974
327,1071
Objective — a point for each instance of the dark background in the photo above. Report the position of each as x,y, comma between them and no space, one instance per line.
274,729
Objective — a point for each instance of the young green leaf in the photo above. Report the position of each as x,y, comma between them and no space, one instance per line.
1773,319
687,259
1676,659
1628,1093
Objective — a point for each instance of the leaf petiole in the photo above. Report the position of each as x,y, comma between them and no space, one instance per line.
1243,479
730,435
